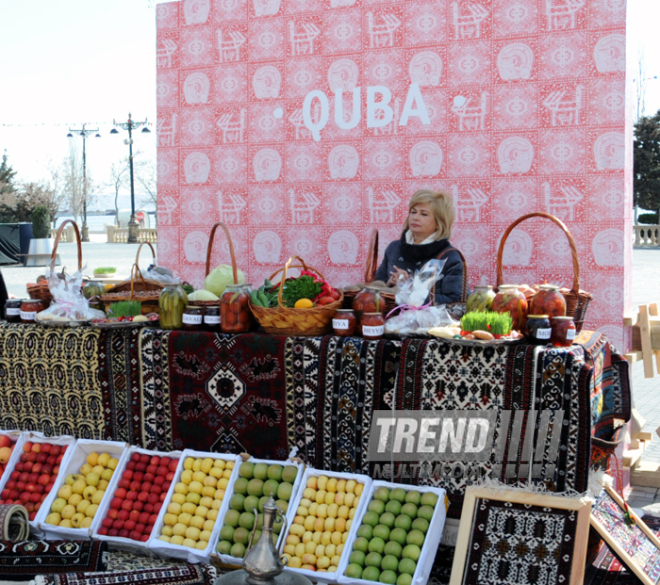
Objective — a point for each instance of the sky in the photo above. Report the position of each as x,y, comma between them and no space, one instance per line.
69,62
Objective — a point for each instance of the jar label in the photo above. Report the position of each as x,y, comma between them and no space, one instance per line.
28,315
340,323
212,319
192,319
570,334
372,331
12,312
543,333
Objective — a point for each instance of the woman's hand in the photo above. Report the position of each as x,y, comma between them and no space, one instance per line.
397,275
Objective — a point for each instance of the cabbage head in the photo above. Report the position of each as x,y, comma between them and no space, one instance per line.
220,277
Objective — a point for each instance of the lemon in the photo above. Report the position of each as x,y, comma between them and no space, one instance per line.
303,304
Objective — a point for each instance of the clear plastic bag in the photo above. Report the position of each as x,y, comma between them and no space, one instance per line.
68,303
416,314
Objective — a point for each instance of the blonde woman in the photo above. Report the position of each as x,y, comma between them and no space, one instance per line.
425,236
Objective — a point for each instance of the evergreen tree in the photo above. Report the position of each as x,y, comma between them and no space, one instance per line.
6,176
646,150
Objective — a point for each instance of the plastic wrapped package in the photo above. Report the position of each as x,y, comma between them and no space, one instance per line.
69,304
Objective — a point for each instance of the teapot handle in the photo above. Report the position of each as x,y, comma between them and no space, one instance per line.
254,529
284,528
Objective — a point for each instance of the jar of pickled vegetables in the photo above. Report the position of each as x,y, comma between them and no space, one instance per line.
344,322
510,300
171,304
481,299
548,301
563,331
235,314
373,325
368,300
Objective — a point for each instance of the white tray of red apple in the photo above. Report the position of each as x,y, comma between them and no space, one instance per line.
189,522
257,479
397,536
128,516
8,453
70,511
32,472
321,520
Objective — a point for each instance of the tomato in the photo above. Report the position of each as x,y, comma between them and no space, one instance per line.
325,300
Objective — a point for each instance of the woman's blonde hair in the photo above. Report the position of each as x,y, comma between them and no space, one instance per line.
443,210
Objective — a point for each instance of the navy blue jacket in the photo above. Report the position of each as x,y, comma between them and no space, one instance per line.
412,257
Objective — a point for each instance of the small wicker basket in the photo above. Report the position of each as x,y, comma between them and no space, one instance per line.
41,290
147,293
283,320
577,301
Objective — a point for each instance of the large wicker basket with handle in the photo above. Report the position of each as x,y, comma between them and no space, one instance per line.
40,290
283,320
138,288
577,301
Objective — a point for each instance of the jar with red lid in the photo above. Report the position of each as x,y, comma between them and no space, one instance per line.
563,331
344,322
212,319
191,320
373,325
13,310
30,308
235,314
510,300
368,300
548,301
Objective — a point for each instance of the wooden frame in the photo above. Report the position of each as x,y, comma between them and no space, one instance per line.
615,545
465,530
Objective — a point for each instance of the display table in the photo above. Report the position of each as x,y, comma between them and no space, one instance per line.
266,394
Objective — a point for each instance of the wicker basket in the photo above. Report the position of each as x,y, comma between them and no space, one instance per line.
41,290
208,263
282,320
577,301
144,290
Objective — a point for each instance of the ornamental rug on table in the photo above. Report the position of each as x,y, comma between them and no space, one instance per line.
22,561
437,375
49,380
226,393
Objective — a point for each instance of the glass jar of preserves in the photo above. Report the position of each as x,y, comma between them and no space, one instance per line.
563,331
235,314
373,325
368,300
171,303
191,319
13,310
212,319
510,300
344,322
481,299
538,329
30,308
548,301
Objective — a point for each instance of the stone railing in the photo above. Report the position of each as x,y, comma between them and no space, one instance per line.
118,235
647,236
67,235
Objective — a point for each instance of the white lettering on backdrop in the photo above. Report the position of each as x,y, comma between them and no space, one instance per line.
379,112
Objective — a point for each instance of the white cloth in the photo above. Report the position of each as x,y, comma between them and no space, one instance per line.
410,239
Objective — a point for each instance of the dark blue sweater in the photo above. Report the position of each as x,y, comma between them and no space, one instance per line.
412,257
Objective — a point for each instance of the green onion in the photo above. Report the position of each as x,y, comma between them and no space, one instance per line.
105,270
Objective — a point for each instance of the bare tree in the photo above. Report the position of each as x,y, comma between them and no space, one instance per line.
73,185
145,176
640,83
118,181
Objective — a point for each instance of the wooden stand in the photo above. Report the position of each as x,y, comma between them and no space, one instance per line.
645,338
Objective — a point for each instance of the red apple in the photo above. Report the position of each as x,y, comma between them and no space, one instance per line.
151,468
163,496
157,507
49,487
103,531
134,535
124,533
37,467
31,487
32,515
141,467
120,493
118,524
145,537
46,447
39,488
5,493
27,446
138,475
139,506
113,532
162,470
24,497
34,477
152,519
134,515
124,483
10,485
59,458
132,495
15,475
32,457
148,477
42,457
149,508
143,496
145,459
165,461
15,494
144,518
135,485
56,469
155,460
135,457
19,467
169,476
55,450
155,489
36,447
20,486
153,498
123,515
5,441
140,528
24,477
107,522
113,513
131,465
129,524
35,497
127,505
47,468
159,480
116,503
128,474
44,479
37,506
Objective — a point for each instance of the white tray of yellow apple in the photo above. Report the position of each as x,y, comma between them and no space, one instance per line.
70,511
257,479
35,454
321,521
397,536
194,505
127,518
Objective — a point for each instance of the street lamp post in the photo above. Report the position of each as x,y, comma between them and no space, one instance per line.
130,125
84,132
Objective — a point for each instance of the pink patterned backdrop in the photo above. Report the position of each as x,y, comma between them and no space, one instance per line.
305,124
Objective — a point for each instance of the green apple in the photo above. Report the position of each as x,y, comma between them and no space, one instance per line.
289,473
275,472
246,520
284,491
240,486
403,521
404,579
413,498
256,485
236,502
353,571
398,535
361,544
224,547
382,494
377,506
366,531
261,471
370,518
227,533
387,518
270,487
373,559
420,524
394,507
409,510
382,531
415,537
376,545
241,535
411,551
429,499
425,512
407,566
390,563
388,577
357,558
398,494
249,503
237,550
371,574
231,517
246,470
393,548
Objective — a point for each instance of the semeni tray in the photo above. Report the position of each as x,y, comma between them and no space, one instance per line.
365,480
177,551
34,437
78,458
118,542
236,561
431,542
